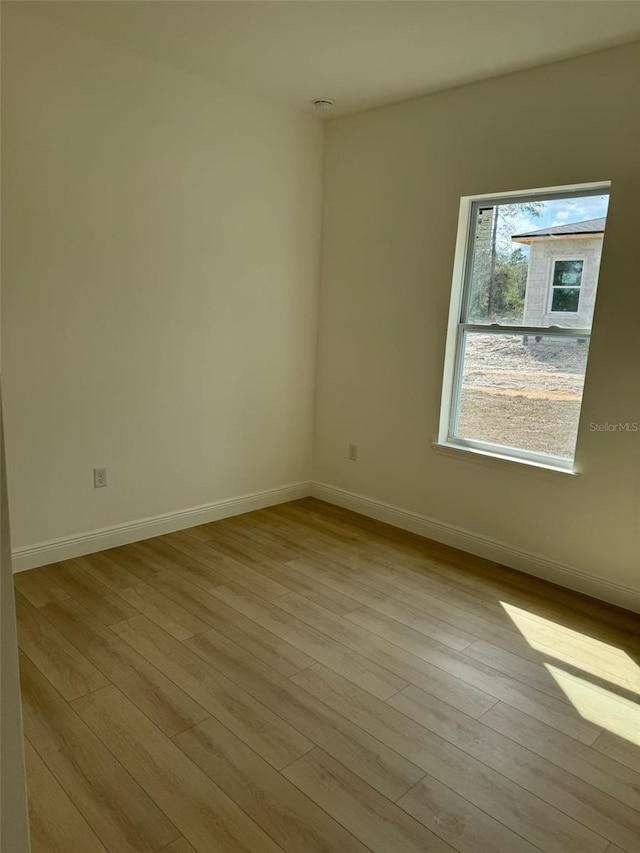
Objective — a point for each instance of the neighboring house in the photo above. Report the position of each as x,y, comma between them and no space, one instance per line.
563,273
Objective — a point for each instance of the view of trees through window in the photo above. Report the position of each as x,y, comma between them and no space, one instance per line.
499,274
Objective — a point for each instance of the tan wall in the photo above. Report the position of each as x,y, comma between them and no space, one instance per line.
541,262
160,278
394,178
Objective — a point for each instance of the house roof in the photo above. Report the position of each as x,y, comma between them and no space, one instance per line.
586,228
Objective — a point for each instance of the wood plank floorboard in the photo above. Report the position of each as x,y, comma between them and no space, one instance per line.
575,797
447,760
235,571
620,749
161,556
70,672
147,600
179,846
83,589
383,768
38,588
271,562
466,827
246,632
380,824
56,824
553,710
292,819
303,679
604,773
118,811
254,722
203,813
316,644
351,585
547,596
393,657
157,696
271,536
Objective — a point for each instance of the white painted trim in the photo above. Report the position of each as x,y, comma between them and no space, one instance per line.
481,546
477,451
453,340
563,191
65,548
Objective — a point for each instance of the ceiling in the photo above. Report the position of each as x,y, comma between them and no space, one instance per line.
362,53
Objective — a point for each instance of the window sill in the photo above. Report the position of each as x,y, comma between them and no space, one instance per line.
499,460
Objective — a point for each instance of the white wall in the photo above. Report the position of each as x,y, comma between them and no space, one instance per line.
394,178
160,275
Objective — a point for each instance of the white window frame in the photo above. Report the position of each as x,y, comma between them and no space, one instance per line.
554,260
457,326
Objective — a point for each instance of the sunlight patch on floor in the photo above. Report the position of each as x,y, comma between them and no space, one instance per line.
599,706
588,654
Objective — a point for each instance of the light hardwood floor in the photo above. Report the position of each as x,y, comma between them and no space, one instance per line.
307,680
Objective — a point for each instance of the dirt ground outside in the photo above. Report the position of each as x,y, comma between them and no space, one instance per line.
525,395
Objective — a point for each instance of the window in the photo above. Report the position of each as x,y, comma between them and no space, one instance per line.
565,286
525,279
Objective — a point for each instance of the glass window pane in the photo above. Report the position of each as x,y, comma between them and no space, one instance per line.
522,392
567,272
565,299
519,252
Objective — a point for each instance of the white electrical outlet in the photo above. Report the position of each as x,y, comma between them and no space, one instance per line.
353,452
99,478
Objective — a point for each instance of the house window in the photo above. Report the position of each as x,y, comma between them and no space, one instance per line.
565,286
517,348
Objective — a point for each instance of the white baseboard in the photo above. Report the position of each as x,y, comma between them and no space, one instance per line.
66,548
481,546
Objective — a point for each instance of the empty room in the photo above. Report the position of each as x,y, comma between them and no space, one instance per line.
320,426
